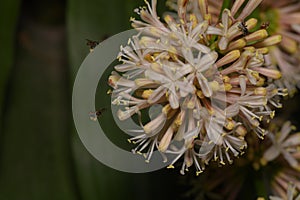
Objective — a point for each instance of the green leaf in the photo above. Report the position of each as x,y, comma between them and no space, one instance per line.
35,142
97,20
9,12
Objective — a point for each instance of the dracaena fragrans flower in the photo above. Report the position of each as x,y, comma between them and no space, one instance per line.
285,143
291,194
283,17
210,78
280,19
283,156
278,174
280,185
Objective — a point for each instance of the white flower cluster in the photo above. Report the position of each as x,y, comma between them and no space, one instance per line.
210,78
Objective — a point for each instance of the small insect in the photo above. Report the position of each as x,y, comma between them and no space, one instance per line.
243,27
92,44
265,25
98,113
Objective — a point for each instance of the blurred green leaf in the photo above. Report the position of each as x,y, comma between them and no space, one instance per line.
96,20
35,143
9,12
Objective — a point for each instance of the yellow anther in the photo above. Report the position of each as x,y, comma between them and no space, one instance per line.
263,161
256,166
260,91
191,104
167,94
109,91
200,94
166,109
178,120
272,115
222,162
170,167
227,87
226,79
198,172
147,93
260,198
214,85
255,74
129,41
229,125
193,19
260,82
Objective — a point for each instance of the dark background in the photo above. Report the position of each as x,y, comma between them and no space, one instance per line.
42,44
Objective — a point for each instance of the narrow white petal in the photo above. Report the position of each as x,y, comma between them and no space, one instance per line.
157,94
182,71
214,132
271,153
223,43
205,87
293,140
207,61
232,110
242,84
290,159
156,76
202,48
285,130
225,17
125,67
214,31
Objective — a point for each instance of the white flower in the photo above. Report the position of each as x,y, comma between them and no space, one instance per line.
210,79
284,143
290,194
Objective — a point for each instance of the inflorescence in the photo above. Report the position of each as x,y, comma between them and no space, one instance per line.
209,75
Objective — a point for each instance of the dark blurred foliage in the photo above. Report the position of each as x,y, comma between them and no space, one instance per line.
42,44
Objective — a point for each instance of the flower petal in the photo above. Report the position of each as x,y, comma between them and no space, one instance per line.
271,153
205,87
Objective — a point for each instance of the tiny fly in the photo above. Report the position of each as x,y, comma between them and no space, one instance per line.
92,44
98,113
243,27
